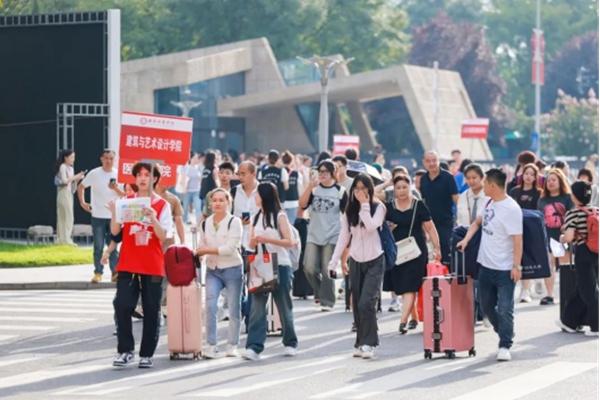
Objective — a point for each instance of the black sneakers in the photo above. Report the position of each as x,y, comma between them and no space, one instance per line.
546,301
123,359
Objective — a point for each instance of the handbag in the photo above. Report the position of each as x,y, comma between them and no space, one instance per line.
407,249
262,271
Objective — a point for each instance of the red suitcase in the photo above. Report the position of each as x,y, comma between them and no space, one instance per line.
185,310
448,314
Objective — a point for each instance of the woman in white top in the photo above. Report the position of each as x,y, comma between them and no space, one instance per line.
473,199
271,228
220,242
364,216
66,182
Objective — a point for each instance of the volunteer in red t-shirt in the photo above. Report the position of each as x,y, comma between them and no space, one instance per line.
141,268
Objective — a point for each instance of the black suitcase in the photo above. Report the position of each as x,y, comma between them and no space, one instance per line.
301,288
569,294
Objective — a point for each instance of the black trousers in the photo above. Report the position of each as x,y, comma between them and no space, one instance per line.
365,283
584,306
129,288
445,234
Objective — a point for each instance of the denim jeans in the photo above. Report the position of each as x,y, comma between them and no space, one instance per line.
365,283
101,231
316,260
257,329
194,199
496,298
229,279
291,214
129,288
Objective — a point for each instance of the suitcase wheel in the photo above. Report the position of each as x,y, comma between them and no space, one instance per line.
427,355
472,352
196,356
450,354
174,356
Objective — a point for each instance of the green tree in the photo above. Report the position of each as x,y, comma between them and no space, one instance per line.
572,127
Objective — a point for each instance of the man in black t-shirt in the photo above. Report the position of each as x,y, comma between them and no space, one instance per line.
275,174
440,193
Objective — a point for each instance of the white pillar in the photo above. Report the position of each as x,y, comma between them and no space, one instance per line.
323,120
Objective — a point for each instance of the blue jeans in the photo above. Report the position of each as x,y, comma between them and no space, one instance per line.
101,231
229,279
194,199
496,298
257,329
291,214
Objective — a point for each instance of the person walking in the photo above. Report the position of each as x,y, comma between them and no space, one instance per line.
584,306
104,189
363,218
325,200
141,268
527,195
65,180
191,199
294,182
554,204
440,193
210,181
272,172
271,228
219,243
500,253
409,217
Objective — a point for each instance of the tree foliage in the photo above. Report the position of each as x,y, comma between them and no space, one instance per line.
572,127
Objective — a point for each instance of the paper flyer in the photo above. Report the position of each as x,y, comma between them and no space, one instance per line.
131,210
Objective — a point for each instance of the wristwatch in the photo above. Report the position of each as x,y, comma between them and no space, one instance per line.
519,267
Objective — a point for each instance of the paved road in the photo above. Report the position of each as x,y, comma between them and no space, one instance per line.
59,345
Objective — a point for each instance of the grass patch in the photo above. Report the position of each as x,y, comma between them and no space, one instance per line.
18,255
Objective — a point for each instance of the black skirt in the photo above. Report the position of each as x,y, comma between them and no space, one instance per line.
408,277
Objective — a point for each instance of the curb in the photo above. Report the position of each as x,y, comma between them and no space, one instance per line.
57,286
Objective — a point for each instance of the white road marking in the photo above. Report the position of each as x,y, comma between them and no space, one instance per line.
7,337
45,319
43,375
26,328
54,311
529,382
38,303
6,363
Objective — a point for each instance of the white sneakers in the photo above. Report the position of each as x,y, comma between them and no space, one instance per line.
232,351
326,308
591,333
364,352
251,355
290,351
211,352
394,306
564,327
503,354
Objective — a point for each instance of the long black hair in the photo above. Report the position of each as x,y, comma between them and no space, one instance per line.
210,159
61,159
353,207
271,206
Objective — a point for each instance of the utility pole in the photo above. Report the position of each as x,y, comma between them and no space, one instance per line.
324,65
538,65
436,105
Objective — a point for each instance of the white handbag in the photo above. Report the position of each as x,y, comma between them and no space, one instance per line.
408,249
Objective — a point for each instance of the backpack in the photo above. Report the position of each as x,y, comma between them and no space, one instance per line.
388,244
592,229
180,265
228,225
553,217
293,252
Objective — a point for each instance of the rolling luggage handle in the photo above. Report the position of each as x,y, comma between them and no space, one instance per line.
201,275
461,279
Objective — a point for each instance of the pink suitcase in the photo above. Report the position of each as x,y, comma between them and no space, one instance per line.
185,324
448,324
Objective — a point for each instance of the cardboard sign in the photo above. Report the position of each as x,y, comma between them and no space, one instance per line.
168,173
475,128
343,142
155,137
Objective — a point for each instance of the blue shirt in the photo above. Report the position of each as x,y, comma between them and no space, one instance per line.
437,195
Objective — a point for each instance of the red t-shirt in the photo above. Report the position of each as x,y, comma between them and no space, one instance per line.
141,250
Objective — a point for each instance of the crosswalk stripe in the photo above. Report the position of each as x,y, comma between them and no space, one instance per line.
26,328
44,319
53,311
53,304
43,375
7,337
6,363
529,382
63,299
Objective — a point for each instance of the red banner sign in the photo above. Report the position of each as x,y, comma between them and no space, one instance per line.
475,128
155,137
343,142
168,173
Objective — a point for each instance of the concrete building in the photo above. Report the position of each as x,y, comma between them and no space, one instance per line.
242,98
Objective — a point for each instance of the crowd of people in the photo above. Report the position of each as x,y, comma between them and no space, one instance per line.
241,205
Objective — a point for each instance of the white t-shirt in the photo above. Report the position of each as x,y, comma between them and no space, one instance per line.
243,203
283,257
467,201
98,180
501,220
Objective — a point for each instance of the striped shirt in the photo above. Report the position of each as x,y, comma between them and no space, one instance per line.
577,219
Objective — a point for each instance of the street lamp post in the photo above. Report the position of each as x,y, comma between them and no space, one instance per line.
324,65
